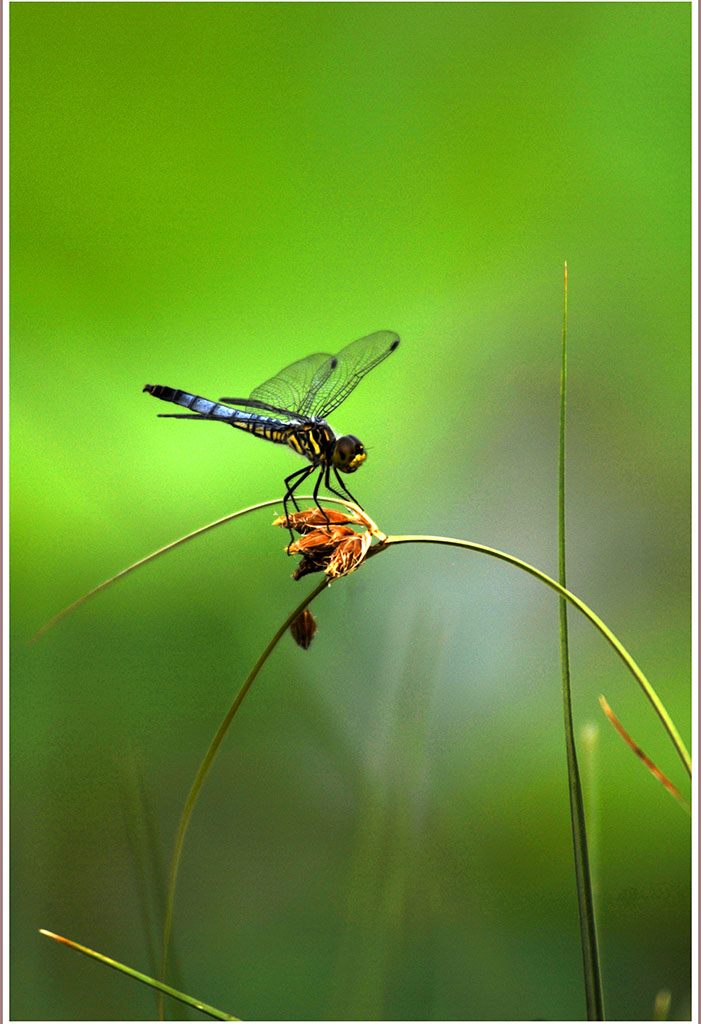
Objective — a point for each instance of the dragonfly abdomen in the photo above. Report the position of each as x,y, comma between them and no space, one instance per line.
203,408
195,403
314,439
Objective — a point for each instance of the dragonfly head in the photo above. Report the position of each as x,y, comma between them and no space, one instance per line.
348,454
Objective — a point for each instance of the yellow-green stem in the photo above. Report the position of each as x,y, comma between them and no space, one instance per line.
206,764
574,600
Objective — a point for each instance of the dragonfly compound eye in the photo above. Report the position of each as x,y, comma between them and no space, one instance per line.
348,454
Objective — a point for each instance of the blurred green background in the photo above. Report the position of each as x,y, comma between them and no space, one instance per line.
201,193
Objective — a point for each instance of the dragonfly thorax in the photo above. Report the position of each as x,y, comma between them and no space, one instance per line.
348,454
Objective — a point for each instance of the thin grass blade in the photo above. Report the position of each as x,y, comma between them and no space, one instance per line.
196,1004
170,547
587,923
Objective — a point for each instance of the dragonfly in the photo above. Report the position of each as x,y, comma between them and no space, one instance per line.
291,408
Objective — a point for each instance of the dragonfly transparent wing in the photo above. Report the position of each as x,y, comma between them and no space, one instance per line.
287,391
317,384
337,376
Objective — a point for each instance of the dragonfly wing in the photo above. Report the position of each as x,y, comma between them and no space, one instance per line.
338,376
289,389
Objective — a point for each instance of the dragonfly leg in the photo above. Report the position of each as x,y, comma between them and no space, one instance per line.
300,474
323,475
345,489
298,477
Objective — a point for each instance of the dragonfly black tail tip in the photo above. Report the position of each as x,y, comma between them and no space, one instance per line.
148,387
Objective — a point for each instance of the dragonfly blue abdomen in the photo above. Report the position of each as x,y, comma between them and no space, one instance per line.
291,408
203,408
314,439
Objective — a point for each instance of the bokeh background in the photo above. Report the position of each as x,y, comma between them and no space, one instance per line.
201,193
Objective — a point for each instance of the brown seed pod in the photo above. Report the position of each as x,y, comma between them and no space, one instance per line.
303,629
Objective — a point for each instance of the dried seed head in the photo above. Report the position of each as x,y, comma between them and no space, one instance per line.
348,555
327,542
321,540
308,519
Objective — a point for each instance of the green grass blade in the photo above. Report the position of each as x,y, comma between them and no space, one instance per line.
196,1004
587,923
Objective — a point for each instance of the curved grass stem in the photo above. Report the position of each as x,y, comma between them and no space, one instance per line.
594,1003
419,539
618,647
150,558
170,547
204,769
